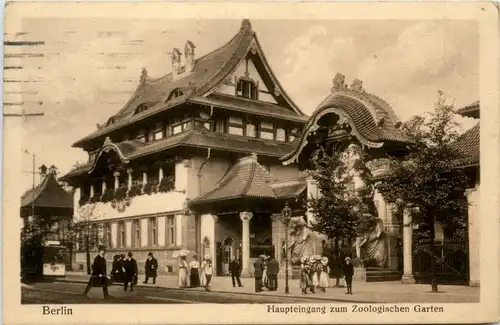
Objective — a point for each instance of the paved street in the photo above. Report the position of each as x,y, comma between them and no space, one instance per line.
70,293
69,290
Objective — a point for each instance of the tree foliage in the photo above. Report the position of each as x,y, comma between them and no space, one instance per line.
426,183
337,210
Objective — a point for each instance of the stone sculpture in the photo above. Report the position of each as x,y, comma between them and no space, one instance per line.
372,239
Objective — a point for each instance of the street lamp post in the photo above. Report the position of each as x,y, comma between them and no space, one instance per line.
287,215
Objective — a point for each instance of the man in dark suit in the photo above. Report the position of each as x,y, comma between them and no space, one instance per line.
235,269
258,266
98,276
273,268
130,266
151,266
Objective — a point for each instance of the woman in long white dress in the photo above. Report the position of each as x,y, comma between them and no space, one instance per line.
324,278
183,272
313,273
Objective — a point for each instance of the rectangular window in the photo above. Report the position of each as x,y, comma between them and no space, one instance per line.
266,135
186,126
136,233
235,125
280,135
177,129
153,233
158,135
250,130
109,240
235,130
122,239
170,231
220,126
266,131
236,120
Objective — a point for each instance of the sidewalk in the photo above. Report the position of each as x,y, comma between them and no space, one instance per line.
378,292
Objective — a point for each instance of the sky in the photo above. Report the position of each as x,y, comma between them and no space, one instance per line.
82,71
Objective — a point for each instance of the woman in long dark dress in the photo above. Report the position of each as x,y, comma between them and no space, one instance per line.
194,274
348,273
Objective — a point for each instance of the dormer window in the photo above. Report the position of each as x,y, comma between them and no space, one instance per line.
141,108
174,94
247,88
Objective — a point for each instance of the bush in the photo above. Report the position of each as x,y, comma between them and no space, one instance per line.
151,187
107,196
167,184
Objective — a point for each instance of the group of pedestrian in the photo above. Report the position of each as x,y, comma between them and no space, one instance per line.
195,274
266,269
314,274
124,270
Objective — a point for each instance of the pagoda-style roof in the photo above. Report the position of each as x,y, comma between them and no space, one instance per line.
468,145
133,149
48,194
471,110
247,179
207,73
371,120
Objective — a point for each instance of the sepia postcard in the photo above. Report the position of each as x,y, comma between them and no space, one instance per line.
250,162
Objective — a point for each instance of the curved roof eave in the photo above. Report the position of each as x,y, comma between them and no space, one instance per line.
313,126
107,148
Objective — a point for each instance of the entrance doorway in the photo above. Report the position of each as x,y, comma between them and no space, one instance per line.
227,253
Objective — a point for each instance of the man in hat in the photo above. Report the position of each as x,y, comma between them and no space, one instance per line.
258,272
98,276
130,266
150,267
273,268
235,270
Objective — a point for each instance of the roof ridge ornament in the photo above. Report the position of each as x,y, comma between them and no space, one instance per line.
338,83
107,141
357,85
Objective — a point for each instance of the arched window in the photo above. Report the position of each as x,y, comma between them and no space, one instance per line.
247,89
141,108
205,246
174,94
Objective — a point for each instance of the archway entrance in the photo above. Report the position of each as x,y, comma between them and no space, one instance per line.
228,250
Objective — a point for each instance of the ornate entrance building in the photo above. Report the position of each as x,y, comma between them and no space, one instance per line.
352,116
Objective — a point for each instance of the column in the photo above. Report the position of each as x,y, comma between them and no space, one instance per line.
117,181
474,235
103,185
160,175
91,191
129,172
407,250
144,180
276,236
312,192
245,242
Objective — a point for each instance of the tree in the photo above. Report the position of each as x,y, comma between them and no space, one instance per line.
337,210
84,227
425,183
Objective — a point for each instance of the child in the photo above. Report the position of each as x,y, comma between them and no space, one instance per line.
304,275
348,273
324,274
313,275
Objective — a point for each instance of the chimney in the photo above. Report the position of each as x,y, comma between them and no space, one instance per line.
189,55
176,62
43,172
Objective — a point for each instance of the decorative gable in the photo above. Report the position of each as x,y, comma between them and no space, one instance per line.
246,71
